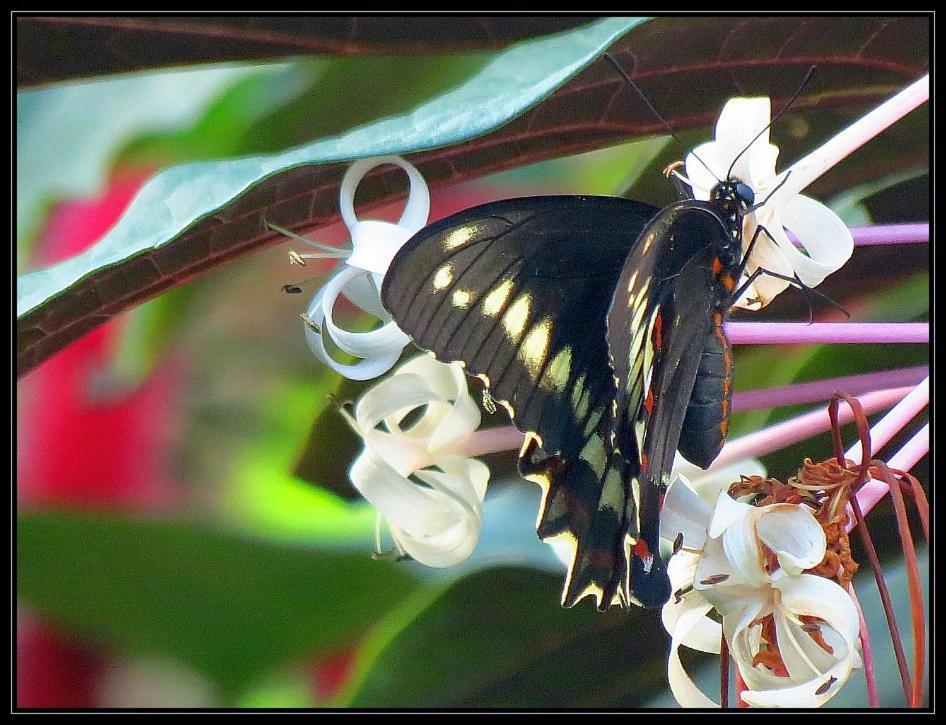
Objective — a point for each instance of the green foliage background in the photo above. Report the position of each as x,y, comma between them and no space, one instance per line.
277,568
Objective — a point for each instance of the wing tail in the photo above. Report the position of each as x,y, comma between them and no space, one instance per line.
585,505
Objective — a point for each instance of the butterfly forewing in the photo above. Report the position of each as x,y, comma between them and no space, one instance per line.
518,291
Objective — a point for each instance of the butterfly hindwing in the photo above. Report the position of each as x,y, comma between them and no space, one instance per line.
662,315
518,291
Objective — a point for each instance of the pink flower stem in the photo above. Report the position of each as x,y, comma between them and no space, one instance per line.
771,438
818,390
881,433
804,426
874,490
802,333
891,234
491,440
866,651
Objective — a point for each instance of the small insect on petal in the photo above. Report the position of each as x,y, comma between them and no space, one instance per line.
292,289
678,543
826,686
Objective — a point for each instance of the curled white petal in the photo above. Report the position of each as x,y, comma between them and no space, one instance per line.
379,349
437,525
703,634
727,512
374,245
794,534
438,520
691,615
684,512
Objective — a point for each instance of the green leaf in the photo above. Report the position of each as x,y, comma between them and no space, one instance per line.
57,48
67,136
191,217
231,606
501,639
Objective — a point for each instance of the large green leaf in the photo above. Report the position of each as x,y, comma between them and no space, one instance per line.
58,48
192,217
501,639
66,137
231,606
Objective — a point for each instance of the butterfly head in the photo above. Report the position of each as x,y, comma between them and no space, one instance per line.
733,196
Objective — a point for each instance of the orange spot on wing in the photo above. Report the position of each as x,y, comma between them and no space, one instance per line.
729,282
649,402
658,335
717,265
643,461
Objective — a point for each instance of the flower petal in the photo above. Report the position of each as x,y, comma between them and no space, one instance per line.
681,685
726,513
825,237
437,526
793,533
379,349
684,512
704,634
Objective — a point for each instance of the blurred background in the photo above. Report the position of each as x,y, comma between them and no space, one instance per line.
188,535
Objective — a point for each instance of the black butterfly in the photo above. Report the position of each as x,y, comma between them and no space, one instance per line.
597,322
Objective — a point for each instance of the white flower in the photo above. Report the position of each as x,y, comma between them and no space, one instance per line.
825,238
374,244
747,563
437,521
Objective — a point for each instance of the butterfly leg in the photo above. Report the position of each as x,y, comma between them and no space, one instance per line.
795,281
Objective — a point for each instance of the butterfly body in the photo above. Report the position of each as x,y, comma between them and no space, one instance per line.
597,323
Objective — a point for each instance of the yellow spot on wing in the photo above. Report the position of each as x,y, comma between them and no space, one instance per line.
535,346
495,300
462,298
612,493
556,374
593,453
443,277
458,237
515,318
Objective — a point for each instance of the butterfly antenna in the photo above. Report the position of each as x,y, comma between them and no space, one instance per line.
654,111
808,75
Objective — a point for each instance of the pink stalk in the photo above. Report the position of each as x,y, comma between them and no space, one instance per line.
891,234
881,433
491,440
801,427
771,438
818,390
802,333
874,490
894,421
866,651
826,156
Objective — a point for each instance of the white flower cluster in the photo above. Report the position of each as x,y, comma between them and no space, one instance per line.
747,563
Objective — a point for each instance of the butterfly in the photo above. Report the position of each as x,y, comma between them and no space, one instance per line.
597,322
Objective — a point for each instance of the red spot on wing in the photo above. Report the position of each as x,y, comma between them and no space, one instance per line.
649,402
658,334
641,550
